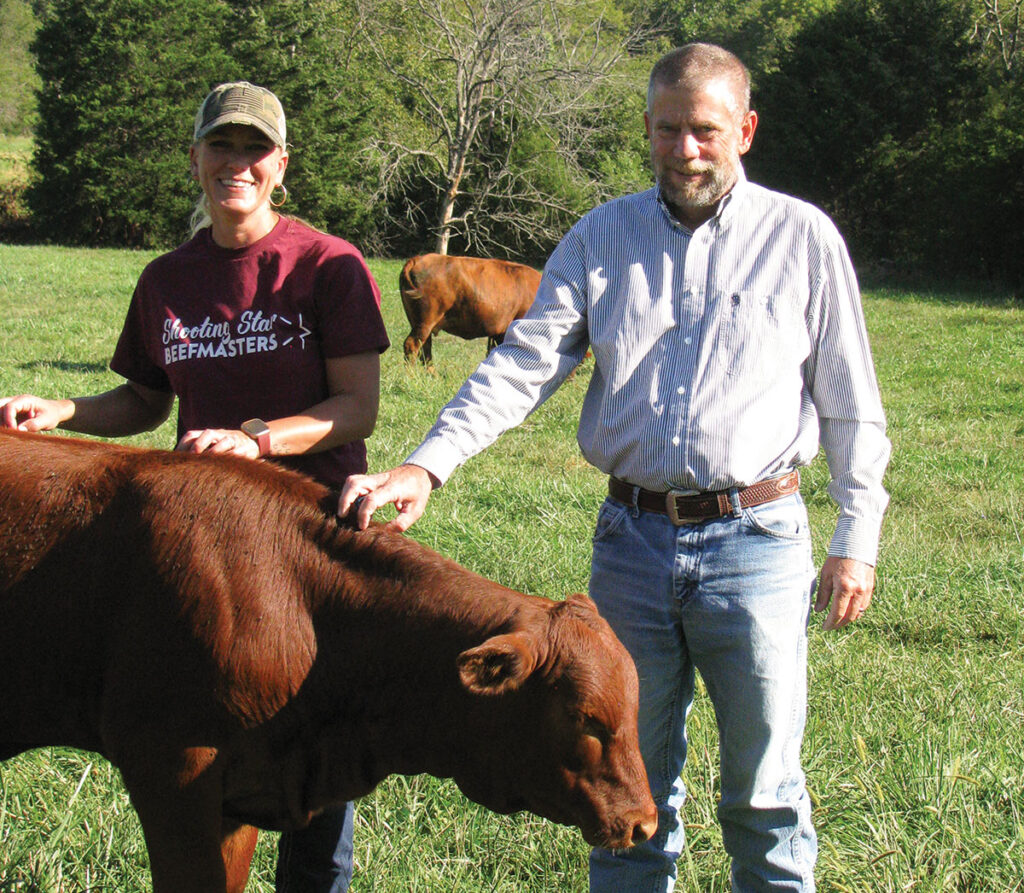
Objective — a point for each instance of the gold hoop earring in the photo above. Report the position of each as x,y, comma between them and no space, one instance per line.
284,196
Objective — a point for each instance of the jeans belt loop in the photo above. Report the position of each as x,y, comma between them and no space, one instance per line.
734,502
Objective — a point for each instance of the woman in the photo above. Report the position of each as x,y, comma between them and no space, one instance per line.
269,333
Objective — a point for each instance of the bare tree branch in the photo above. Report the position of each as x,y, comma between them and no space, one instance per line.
999,26
474,70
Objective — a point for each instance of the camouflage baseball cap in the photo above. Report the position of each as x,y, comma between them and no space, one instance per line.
241,103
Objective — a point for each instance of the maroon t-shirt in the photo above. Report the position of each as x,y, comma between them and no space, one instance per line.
243,333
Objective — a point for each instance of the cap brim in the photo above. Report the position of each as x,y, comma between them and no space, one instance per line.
242,118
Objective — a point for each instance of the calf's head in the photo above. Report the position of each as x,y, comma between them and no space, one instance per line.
560,703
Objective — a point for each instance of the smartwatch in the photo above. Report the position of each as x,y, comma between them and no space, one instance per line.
259,431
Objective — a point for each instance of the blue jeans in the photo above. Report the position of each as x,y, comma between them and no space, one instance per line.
730,598
317,859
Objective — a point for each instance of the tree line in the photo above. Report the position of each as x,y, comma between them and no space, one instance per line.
490,126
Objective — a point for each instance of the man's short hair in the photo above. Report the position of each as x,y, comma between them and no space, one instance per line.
694,64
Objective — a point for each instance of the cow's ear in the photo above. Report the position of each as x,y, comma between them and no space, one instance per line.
501,664
582,603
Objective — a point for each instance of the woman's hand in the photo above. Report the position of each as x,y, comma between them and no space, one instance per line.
219,440
128,409
27,412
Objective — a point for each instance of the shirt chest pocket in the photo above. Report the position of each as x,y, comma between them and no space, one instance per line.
757,334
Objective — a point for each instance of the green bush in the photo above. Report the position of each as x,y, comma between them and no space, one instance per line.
121,83
888,115
15,173
18,79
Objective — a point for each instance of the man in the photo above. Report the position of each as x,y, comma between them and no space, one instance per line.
728,338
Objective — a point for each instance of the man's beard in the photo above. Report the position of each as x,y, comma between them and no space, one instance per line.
697,198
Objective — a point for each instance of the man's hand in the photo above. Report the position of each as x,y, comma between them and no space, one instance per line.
847,584
407,486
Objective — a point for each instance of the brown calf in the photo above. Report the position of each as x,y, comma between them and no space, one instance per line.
466,296
244,659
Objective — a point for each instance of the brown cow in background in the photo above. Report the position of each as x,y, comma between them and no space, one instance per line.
209,626
466,296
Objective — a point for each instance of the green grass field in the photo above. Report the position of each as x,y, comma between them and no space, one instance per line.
915,742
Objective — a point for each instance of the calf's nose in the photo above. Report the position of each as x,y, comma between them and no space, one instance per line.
645,829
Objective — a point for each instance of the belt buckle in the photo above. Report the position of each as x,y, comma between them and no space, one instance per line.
672,510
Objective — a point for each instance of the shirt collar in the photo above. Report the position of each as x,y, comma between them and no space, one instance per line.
732,199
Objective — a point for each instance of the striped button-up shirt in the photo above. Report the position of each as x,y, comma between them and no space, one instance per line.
722,355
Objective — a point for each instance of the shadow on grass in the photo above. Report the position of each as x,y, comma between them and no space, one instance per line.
64,366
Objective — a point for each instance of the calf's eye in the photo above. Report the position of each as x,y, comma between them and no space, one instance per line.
589,750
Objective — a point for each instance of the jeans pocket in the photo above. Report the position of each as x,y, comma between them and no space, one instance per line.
781,519
609,518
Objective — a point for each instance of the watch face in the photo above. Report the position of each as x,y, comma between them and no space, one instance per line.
259,431
255,427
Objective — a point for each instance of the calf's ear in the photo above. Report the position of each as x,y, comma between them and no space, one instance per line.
500,665
582,602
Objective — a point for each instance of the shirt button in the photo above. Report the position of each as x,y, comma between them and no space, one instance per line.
680,390
675,441
687,340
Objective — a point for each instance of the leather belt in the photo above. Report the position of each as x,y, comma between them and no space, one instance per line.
693,508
